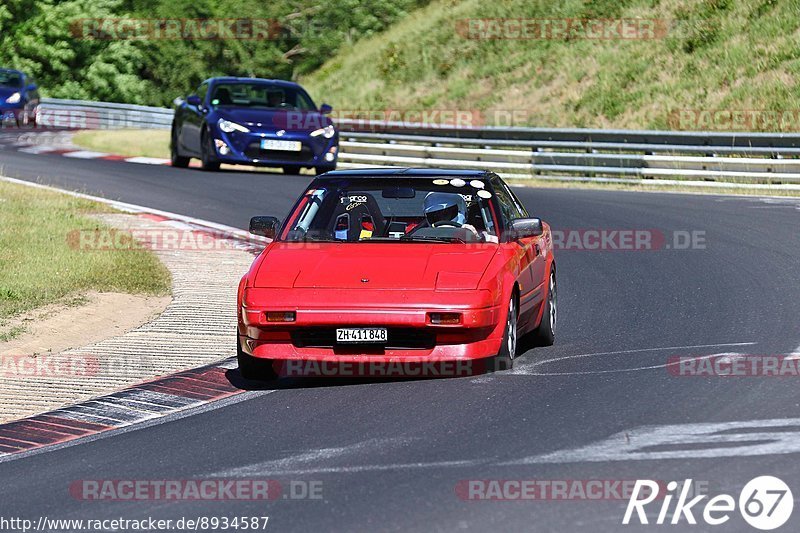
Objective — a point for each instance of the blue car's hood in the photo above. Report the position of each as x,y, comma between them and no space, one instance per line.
274,119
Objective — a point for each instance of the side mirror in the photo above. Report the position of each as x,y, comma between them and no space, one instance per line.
325,109
523,228
194,100
264,226
32,87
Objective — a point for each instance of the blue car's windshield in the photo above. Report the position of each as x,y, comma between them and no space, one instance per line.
260,95
10,79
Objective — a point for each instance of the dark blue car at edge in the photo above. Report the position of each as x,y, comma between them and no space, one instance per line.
19,98
253,121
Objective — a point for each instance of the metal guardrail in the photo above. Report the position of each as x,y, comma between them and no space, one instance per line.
743,160
80,114
627,156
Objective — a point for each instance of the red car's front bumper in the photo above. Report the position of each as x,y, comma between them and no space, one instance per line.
405,314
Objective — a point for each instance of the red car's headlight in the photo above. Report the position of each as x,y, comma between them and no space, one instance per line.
458,281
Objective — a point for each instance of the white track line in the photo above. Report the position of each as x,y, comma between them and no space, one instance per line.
147,160
529,370
85,154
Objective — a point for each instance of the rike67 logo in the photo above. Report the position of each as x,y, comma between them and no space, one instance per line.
765,503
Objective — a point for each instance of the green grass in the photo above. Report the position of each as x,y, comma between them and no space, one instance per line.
39,266
147,143
721,54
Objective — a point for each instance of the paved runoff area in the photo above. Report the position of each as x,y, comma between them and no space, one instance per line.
197,328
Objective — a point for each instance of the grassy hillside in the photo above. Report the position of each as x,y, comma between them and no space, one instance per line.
716,55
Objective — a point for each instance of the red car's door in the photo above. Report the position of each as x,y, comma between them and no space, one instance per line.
532,263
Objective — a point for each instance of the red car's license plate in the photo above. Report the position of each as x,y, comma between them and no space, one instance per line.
359,335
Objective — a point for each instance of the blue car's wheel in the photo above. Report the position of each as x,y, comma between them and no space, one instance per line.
207,161
176,159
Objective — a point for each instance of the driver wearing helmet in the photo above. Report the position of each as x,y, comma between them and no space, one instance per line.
444,209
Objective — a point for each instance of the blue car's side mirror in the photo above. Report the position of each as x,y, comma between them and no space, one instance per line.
194,100
32,87
325,109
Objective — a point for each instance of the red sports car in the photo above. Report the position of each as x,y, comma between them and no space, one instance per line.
397,266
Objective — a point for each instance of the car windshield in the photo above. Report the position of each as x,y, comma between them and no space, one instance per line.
10,79
261,95
436,209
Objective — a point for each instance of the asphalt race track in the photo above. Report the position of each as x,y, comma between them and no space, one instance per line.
391,455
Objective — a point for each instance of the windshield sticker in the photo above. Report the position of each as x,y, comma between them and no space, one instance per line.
484,194
440,182
457,182
477,184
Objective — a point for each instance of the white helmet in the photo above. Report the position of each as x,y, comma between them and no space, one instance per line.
445,206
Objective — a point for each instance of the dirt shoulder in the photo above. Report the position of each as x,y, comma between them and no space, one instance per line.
95,316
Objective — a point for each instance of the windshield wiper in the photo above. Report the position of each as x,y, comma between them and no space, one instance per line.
427,238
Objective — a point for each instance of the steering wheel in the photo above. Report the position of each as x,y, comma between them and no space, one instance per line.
446,224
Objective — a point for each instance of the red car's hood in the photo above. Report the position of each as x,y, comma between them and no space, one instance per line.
385,266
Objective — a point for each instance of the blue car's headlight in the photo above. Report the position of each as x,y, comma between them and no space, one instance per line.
326,132
14,98
228,127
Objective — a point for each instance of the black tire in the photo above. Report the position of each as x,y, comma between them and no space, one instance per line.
291,169
251,367
175,158
545,334
504,360
207,161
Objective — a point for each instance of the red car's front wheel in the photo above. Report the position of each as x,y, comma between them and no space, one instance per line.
504,360
252,367
545,334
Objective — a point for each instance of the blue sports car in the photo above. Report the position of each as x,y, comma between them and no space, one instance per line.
19,98
252,121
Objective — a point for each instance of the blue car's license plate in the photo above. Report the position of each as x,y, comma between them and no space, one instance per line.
286,146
